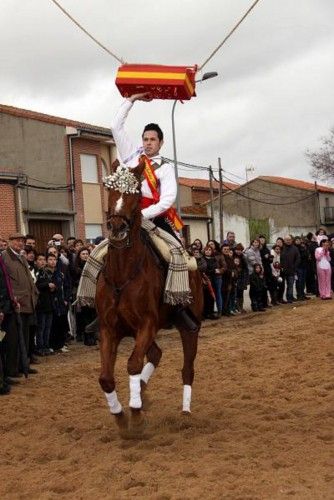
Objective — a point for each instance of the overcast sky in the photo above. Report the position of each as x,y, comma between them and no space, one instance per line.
273,97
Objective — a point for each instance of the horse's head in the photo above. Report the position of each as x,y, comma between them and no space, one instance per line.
124,186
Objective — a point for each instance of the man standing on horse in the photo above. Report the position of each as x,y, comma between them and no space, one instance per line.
156,202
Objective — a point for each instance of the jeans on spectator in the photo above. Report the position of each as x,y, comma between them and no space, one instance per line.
217,282
290,280
44,321
300,284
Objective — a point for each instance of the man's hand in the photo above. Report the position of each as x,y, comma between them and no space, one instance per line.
52,286
144,96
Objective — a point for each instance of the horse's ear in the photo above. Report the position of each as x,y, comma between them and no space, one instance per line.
138,171
114,166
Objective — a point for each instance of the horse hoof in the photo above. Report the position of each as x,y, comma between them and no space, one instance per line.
146,402
121,420
186,412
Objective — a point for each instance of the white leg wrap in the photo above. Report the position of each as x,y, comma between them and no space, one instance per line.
186,398
147,372
113,403
135,399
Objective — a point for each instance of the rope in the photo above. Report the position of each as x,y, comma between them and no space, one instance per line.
87,33
229,34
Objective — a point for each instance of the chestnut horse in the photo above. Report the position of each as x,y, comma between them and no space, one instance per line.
129,301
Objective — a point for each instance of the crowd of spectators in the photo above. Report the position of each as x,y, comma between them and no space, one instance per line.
38,289
292,269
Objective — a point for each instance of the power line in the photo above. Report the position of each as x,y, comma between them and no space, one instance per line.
87,32
235,191
229,34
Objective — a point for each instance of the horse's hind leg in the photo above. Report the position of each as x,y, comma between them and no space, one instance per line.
189,344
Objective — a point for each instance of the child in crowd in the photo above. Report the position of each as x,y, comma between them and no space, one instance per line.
257,288
44,308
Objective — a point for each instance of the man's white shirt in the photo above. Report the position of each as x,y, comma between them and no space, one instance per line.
129,154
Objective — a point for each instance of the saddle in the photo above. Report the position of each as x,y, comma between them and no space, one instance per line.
162,248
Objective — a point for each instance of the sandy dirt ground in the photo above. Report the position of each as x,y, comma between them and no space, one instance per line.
261,424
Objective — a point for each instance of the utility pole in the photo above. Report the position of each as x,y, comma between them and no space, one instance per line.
249,170
221,213
213,232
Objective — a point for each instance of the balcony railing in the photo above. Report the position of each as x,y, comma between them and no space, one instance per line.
329,214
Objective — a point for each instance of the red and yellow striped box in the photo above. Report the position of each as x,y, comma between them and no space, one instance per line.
163,82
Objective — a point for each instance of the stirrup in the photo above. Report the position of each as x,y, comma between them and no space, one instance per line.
185,320
93,327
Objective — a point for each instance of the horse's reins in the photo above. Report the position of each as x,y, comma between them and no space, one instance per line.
117,290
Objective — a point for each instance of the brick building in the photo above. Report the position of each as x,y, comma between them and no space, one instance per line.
51,172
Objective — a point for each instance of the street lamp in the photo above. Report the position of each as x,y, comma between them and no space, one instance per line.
206,76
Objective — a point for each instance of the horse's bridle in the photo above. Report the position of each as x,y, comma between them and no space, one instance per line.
126,242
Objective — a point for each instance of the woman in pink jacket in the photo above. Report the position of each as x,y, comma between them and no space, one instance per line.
324,271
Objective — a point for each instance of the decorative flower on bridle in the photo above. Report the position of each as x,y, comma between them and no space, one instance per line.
122,180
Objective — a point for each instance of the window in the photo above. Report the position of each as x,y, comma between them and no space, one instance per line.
89,168
92,231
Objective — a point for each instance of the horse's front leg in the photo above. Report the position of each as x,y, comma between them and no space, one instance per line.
108,350
144,339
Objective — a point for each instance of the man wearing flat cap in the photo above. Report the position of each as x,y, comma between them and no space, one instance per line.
23,285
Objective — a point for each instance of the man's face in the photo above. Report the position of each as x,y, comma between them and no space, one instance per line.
31,242
231,238
288,240
17,245
226,250
70,242
151,143
3,245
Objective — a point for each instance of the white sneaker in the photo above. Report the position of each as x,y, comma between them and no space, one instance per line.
64,349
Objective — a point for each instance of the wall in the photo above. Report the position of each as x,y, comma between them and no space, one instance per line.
304,211
36,149
239,225
8,214
185,196
198,229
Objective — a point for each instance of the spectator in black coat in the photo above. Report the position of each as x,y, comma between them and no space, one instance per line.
257,288
311,270
44,308
61,298
290,260
301,268
267,259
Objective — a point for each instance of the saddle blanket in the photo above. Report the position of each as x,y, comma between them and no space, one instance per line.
177,290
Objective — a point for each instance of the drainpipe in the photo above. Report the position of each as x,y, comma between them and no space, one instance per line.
72,136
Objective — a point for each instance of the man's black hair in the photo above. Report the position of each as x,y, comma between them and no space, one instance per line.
154,126
30,237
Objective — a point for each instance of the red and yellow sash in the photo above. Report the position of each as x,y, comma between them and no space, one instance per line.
153,183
